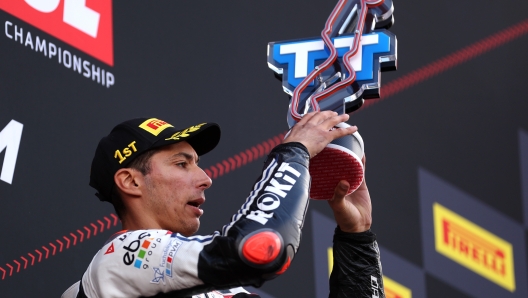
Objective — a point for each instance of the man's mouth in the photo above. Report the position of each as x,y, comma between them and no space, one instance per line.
196,205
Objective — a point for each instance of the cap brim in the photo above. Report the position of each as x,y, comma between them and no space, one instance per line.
206,139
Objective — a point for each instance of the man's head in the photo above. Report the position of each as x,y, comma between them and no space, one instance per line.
146,166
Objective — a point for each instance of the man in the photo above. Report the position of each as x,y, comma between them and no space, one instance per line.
149,171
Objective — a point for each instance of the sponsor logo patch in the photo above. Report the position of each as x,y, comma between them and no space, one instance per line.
142,254
169,252
110,249
139,251
158,276
154,126
473,247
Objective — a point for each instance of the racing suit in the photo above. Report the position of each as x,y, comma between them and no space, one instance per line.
257,245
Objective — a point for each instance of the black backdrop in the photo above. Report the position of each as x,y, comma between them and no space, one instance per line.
205,61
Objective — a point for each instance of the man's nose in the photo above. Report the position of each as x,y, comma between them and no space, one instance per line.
203,180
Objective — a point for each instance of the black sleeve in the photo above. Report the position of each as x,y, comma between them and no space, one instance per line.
262,238
357,268
277,204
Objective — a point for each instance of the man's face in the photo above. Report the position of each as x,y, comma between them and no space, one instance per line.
174,188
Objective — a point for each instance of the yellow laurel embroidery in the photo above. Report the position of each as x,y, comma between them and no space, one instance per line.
185,133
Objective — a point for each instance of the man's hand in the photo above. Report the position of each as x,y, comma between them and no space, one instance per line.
315,130
353,213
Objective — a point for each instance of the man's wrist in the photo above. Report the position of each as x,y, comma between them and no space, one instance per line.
290,145
295,144
361,237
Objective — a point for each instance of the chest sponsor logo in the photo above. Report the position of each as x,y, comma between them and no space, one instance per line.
473,247
278,188
10,137
85,25
144,247
167,259
154,126
169,252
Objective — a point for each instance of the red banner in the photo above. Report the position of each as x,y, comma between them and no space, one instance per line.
84,24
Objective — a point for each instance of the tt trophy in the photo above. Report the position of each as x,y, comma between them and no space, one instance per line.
337,72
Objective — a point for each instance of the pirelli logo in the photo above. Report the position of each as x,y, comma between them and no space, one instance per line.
473,247
395,290
154,126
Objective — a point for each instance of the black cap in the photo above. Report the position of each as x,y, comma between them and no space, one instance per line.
133,137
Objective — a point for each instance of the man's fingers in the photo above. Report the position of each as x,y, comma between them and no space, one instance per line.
305,118
316,129
340,192
328,119
333,121
320,117
341,132
316,118
364,160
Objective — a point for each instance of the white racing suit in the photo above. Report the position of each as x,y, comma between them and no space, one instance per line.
257,245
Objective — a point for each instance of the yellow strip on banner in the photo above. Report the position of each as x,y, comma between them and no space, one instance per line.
330,253
395,290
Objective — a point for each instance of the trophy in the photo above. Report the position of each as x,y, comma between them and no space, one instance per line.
337,72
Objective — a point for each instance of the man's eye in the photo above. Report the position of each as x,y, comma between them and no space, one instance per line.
182,164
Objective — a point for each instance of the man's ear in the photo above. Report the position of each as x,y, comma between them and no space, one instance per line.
129,181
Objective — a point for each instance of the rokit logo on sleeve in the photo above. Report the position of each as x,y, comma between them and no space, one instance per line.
83,24
279,187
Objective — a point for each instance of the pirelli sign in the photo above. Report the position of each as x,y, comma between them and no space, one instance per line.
473,247
468,244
